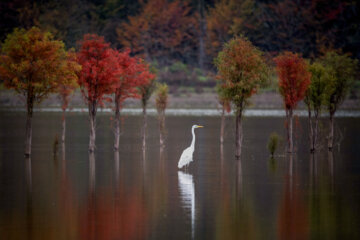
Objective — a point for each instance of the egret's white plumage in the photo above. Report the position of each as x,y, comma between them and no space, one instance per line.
187,154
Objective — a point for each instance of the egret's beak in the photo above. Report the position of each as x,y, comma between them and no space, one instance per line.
200,126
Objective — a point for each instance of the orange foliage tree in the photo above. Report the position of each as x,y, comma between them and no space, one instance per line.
242,70
65,89
99,75
35,65
224,21
162,31
133,74
294,80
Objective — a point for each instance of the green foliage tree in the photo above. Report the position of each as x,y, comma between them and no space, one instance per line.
242,70
145,92
35,65
161,100
315,99
342,75
273,143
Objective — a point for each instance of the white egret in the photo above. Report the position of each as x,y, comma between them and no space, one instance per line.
187,154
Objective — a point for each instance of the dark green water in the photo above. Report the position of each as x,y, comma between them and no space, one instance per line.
136,195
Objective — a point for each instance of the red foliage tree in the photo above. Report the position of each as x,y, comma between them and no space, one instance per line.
99,75
133,73
294,80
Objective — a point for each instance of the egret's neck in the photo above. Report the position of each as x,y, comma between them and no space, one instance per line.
193,137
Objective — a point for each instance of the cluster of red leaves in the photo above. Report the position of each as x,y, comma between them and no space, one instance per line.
133,73
100,71
294,78
107,71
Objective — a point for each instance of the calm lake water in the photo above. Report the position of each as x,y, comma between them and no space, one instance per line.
137,195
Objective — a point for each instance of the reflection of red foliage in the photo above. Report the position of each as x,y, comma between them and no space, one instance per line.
292,217
294,78
113,217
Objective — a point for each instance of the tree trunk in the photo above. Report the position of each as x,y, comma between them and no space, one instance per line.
117,126
311,131
162,127
63,126
239,134
290,131
92,116
222,127
28,131
316,129
144,127
331,133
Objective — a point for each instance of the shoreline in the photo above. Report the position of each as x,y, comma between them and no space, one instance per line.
267,100
187,112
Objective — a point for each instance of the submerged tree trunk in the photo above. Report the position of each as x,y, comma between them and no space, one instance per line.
289,115
222,127
117,126
162,127
92,116
28,131
144,127
63,126
239,133
311,130
331,133
316,129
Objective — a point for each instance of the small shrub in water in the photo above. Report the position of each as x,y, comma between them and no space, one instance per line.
273,143
56,144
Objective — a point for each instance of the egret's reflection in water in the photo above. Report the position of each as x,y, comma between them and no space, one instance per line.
187,191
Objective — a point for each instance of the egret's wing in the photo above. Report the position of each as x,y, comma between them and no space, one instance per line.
186,157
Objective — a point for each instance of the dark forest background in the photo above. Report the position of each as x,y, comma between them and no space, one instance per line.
181,38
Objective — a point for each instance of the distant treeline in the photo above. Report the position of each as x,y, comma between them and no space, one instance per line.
192,32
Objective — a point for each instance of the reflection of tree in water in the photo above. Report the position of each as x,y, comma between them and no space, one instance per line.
333,215
105,216
292,216
42,219
235,216
68,211
156,193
